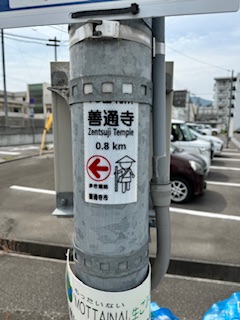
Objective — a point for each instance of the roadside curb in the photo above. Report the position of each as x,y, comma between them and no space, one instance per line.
177,266
26,157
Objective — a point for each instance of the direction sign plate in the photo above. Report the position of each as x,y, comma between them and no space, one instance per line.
23,13
111,152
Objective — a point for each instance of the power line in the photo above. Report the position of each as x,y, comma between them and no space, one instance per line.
25,37
196,59
58,28
25,41
9,35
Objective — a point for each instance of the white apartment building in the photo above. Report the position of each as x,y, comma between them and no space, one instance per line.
222,101
17,108
22,107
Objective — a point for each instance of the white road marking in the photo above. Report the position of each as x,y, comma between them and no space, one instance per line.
225,168
9,153
197,279
225,159
25,148
225,149
204,214
172,209
230,154
225,184
36,190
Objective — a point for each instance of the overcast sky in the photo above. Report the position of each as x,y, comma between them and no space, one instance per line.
202,47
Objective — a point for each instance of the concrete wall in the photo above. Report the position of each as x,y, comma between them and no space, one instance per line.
21,136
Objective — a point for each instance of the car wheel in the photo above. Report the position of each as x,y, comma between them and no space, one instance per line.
181,191
214,133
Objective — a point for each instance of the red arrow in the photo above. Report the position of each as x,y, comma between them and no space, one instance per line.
94,168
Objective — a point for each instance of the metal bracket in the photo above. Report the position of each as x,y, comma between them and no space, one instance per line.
110,266
63,92
134,9
161,194
109,29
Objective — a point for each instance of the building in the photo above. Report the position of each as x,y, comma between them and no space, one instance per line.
17,108
40,99
22,107
223,100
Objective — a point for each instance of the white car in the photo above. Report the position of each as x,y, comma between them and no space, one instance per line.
199,128
217,144
182,138
215,131
208,129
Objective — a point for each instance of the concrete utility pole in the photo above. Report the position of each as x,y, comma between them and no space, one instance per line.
55,45
110,98
4,80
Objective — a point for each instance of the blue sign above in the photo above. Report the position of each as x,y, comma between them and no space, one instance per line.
26,13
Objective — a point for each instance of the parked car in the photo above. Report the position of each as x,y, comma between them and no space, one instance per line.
238,130
216,143
215,131
182,138
201,128
208,129
187,175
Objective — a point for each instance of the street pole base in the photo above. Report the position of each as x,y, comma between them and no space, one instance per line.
87,303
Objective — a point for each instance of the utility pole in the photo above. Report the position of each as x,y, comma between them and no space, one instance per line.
4,80
55,45
189,107
110,96
230,109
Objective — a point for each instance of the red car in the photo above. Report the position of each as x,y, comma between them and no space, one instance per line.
187,175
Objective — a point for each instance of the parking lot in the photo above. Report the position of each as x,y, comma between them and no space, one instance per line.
204,230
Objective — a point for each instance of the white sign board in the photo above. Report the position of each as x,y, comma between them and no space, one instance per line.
110,152
23,13
87,303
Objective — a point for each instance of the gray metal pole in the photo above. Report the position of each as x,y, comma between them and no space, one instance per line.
110,240
159,88
230,110
4,80
160,185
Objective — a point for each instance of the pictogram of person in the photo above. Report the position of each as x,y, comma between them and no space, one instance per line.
123,173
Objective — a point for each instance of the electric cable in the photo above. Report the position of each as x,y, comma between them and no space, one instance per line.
196,59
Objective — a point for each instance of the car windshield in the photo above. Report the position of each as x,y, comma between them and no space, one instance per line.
181,132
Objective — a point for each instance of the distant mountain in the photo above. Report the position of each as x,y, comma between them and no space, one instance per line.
201,102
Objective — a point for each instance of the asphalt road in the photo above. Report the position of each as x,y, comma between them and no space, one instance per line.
206,230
